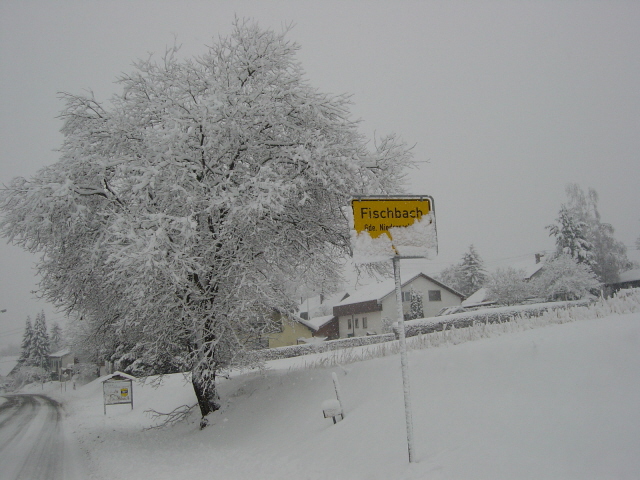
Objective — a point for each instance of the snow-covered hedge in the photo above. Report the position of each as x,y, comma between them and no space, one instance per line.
487,315
297,350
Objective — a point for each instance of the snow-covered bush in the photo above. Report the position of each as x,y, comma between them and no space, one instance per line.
563,278
29,374
508,286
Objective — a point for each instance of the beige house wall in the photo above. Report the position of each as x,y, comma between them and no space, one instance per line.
291,332
374,324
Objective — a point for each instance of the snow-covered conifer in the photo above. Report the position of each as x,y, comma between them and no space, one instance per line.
39,348
572,236
472,270
416,305
55,337
25,346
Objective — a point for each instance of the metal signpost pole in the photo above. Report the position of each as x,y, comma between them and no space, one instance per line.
403,358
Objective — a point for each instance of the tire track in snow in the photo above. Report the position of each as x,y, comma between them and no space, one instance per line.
31,445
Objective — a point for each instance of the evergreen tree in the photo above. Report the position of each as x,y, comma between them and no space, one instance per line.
472,270
417,310
25,346
55,337
39,350
467,276
572,235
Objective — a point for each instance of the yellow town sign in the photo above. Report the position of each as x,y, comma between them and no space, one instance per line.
377,215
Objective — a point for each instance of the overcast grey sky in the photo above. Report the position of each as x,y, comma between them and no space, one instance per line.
505,101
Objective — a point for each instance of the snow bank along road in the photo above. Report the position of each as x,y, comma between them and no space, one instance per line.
32,446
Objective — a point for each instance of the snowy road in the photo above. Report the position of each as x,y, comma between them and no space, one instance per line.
31,442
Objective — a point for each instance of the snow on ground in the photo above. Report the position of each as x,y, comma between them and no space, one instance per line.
559,402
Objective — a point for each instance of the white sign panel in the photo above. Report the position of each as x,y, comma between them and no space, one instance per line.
118,391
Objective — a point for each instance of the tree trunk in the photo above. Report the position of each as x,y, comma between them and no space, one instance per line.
204,386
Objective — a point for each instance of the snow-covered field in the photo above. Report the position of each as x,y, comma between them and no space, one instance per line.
556,402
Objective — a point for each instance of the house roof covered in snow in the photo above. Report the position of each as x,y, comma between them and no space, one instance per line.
316,303
118,376
479,297
630,275
60,353
529,264
7,364
316,323
381,290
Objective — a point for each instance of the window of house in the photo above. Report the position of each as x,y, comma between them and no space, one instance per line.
406,296
364,322
435,296
349,323
357,323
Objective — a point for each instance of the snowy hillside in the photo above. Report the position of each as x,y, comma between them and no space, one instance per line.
558,402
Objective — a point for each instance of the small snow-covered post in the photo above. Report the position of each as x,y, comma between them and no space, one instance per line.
336,385
403,358
333,408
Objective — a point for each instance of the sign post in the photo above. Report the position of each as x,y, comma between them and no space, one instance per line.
395,228
404,362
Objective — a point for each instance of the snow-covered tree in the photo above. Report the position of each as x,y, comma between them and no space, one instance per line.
39,347
416,305
508,286
473,272
572,236
179,214
387,324
467,276
452,277
25,346
26,374
610,255
564,278
55,337
580,233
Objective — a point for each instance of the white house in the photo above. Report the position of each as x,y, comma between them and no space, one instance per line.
370,310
